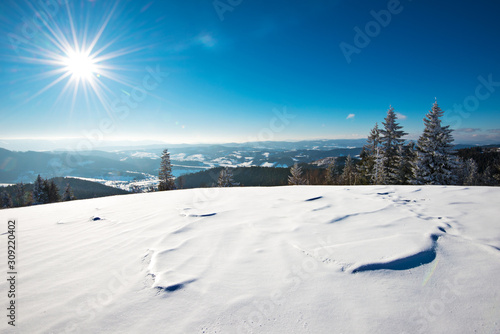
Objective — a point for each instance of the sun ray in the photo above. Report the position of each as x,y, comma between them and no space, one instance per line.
47,87
86,95
119,53
75,92
61,94
103,26
48,75
105,104
73,30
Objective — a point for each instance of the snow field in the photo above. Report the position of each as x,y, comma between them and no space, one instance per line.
295,259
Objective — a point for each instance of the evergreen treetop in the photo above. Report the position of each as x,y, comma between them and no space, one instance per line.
296,177
165,174
391,139
434,162
225,178
68,194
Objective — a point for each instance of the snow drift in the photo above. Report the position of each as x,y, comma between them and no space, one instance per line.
301,259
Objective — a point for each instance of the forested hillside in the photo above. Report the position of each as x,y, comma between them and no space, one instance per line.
22,194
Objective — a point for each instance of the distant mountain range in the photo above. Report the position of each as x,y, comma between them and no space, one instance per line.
135,164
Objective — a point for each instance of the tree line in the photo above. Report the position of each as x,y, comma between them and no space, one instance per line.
44,191
388,159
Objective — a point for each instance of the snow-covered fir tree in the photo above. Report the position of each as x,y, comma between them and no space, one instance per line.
472,177
68,194
495,172
331,172
225,178
296,177
165,174
434,162
461,171
368,154
40,191
348,176
487,178
404,160
378,175
391,139
6,200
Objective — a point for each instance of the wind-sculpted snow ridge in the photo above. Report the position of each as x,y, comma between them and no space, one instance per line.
301,259
407,262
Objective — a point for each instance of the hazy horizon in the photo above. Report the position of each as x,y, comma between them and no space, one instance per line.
82,143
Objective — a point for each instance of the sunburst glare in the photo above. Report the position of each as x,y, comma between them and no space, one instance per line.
81,56
81,65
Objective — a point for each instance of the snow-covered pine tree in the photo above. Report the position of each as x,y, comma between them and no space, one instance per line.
378,175
222,178
296,177
486,178
230,179
225,178
434,162
348,176
368,154
461,171
495,172
165,173
391,138
6,200
472,177
331,172
404,159
40,191
68,194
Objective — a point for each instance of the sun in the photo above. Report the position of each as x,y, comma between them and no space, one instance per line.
85,63
80,64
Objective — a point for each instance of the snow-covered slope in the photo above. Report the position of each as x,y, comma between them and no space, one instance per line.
304,259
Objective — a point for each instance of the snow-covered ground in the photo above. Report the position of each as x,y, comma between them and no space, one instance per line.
302,259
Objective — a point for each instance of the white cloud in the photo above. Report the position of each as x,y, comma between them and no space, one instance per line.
401,116
467,130
350,116
207,40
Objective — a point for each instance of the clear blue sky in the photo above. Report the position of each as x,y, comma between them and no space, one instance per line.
232,67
